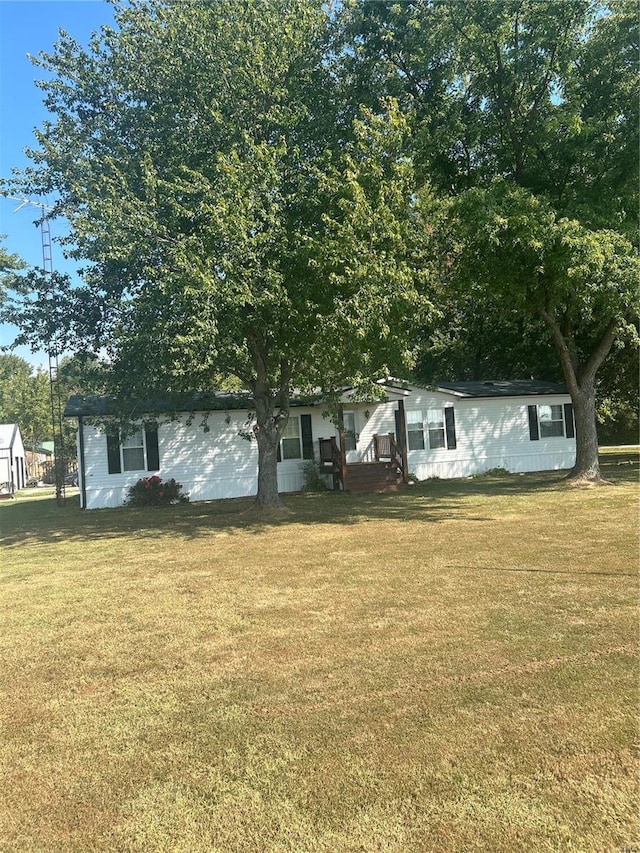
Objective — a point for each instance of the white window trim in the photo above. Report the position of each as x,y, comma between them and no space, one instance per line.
285,437
444,445
424,413
561,420
124,470
421,430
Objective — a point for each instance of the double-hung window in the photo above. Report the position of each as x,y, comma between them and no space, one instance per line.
435,426
297,439
290,444
551,421
431,429
415,430
134,451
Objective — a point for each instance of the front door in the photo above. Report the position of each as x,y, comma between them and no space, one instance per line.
350,436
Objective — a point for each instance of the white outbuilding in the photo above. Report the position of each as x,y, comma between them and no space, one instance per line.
13,469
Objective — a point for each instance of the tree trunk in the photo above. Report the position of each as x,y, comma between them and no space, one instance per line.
272,414
268,438
587,466
582,387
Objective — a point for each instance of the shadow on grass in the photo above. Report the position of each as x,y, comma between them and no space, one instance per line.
41,520
537,570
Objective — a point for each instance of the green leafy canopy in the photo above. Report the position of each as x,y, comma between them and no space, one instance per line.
235,219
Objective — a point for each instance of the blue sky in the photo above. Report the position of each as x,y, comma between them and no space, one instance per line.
28,27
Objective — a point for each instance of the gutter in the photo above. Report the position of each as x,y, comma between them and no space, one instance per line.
83,486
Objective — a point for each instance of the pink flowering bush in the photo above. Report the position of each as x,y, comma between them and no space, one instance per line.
154,491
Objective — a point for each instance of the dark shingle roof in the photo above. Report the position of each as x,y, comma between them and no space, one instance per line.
506,388
90,405
221,401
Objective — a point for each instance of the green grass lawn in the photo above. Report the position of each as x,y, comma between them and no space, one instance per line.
452,668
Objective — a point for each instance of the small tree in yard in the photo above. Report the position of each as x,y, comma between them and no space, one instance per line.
234,219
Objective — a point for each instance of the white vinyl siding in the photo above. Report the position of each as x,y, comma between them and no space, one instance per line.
490,433
12,459
210,465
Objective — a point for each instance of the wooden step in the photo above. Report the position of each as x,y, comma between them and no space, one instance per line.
372,477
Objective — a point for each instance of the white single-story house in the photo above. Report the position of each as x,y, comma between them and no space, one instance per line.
13,469
454,429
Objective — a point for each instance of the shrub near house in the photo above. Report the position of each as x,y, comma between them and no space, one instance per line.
153,491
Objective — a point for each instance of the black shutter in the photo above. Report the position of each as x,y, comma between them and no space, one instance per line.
534,435
569,428
113,452
279,453
307,436
401,435
153,453
450,425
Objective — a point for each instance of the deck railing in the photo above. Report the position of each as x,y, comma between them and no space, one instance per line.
388,448
382,445
331,460
384,448
370,454
395,455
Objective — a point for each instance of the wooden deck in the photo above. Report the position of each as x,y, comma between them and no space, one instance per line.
383,467
373,477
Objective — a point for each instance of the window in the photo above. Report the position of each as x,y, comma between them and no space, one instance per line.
435,424
551,421
297,439
555,421
415,430
290,444
137,451
133,452
434,429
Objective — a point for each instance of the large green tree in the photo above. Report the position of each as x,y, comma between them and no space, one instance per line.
24,393
10,265
543,94
25,399
235,218
582,284
543,98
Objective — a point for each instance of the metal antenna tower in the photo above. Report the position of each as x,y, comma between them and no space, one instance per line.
60,466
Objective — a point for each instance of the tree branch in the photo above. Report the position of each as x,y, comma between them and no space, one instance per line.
283,397
599,354
563,351
507,115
